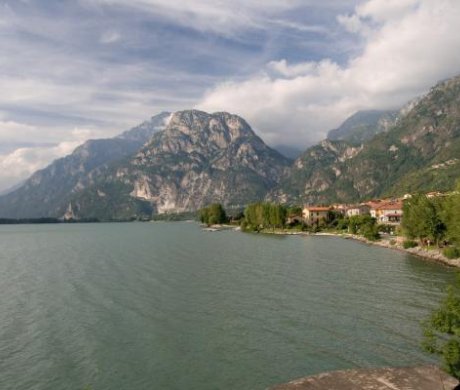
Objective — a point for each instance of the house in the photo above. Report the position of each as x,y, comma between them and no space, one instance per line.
315,214
389,212
360,209
340,208
374,206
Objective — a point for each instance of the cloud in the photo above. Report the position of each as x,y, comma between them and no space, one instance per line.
25,148
223,17
22,162
110,37
408,46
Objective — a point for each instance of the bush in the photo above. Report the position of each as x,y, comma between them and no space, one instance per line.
392,242
451,252
370,232
442,331
409,244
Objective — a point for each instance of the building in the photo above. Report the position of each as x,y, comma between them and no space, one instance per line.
389,212
315,214
360,209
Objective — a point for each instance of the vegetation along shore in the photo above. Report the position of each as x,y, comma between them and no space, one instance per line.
426,225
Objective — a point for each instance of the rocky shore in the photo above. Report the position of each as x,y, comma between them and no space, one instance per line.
387,241
420,378
396,244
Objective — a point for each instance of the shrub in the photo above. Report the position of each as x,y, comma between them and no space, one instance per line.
409,244
451,252
392,242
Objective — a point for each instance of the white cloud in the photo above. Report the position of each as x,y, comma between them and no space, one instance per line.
284,69
409,46
20,162
225,17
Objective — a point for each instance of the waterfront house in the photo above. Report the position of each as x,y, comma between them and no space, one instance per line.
389,212
360,209
339,208
315,214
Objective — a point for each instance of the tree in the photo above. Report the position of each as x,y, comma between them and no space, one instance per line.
442,331
452,216
294,211
213,214
422,219
263,215
364,225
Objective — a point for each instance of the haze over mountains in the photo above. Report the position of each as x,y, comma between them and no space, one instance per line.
183,161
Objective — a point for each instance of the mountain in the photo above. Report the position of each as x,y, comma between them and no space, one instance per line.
48,191
363,125
198,159
421,152
186,160
288,151
12,188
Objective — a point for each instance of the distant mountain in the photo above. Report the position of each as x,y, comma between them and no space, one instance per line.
364,125
48,191
186,160
12,188
421,152
288,151
198,159
145,131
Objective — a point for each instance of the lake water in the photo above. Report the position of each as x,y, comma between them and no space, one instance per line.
168,306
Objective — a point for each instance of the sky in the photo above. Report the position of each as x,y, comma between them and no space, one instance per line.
71,70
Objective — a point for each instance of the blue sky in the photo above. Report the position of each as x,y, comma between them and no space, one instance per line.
77,69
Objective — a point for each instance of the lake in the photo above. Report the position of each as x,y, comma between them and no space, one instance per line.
169,306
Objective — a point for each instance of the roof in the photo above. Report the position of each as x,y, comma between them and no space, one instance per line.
358,206
391,206
317,208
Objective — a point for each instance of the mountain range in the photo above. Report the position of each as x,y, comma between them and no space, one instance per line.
182,161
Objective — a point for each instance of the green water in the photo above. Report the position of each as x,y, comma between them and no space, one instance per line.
168,306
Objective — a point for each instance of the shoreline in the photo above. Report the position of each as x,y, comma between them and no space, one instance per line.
427,254
431,255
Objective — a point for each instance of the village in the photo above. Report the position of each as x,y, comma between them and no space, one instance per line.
387,211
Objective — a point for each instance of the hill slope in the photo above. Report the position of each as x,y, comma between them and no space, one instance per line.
363,125
420,153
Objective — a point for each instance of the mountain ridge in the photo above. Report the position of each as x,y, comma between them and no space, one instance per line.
393,162
188,159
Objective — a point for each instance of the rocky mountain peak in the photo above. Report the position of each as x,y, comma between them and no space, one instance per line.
197,124
145,131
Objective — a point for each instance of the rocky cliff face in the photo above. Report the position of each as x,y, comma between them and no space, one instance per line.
47,192
198,159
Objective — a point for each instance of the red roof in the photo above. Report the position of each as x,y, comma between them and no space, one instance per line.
391,206
315,208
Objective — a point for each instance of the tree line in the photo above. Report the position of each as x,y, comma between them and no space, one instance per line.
426,221
434,221
213,214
